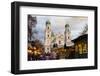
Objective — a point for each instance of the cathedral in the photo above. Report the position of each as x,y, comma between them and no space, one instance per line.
59,40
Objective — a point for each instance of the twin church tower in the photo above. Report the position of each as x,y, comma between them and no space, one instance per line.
61,39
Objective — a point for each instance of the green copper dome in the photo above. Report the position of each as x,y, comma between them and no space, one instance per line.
67,25
47,22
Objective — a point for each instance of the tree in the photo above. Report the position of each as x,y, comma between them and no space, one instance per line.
85,30
31,24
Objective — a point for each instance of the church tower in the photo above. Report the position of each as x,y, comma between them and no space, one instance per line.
68,41
48,37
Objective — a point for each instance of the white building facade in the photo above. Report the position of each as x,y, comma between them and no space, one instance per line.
60,39
47,37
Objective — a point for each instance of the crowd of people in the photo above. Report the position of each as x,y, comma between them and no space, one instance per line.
43,56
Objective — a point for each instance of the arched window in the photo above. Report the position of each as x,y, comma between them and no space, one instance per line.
68,37
48,28
59,42
80,48
47,48
48,35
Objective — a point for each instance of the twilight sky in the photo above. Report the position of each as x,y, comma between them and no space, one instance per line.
77,24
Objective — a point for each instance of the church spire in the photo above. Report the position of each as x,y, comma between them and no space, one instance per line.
48,37
68,41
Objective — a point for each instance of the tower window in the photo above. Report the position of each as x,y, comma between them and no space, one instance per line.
47,48
59,42
48,27
68,30
48,35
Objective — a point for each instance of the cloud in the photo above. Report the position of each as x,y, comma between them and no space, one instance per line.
77,23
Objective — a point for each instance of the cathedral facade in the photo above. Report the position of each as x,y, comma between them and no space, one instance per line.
59,40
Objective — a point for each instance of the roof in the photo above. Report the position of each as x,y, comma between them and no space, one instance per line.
81,38
48,22
67,25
